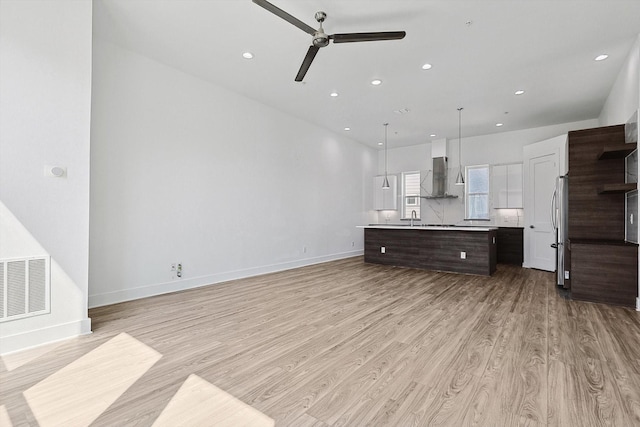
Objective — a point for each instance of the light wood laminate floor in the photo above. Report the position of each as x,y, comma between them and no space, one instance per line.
352,344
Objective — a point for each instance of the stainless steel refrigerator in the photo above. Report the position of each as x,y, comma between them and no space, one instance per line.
559,221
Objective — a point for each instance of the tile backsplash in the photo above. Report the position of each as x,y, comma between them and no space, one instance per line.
509,217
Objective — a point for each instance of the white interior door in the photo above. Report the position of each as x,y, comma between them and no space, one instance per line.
543,172
543,163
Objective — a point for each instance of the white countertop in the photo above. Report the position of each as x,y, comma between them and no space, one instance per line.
430,227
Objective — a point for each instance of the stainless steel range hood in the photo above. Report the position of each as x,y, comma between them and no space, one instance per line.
439,171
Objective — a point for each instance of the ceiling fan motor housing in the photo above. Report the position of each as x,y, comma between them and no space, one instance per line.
320,39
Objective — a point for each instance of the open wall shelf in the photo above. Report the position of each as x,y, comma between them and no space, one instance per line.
617,188
616,151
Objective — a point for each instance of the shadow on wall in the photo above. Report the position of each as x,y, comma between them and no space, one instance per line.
15,240
66,299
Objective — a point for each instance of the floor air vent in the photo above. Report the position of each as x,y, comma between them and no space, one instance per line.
24,287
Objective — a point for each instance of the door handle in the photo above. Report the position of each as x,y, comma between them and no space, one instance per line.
531,226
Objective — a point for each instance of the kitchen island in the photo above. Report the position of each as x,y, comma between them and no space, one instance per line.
457,249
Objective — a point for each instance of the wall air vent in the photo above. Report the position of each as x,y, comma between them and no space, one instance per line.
24,287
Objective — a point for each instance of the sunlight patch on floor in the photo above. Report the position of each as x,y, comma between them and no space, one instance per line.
78,393
199,403
5,421
20,358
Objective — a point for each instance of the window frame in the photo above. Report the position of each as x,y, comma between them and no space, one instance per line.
467,194
406,213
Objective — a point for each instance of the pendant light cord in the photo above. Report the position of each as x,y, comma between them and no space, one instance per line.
385,182
385,149
460,138
460,177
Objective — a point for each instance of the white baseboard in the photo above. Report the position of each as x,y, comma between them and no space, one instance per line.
38,337
109,298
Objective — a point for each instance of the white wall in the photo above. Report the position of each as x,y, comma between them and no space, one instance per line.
45,81
622,101
492,149
184,171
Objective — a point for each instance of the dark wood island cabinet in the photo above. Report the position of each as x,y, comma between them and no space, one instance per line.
468,250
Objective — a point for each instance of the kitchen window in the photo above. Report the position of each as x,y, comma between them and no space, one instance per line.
410,194
476,199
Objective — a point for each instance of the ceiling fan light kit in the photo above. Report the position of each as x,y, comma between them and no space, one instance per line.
321,39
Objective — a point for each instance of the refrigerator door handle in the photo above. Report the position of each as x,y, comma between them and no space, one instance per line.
554,220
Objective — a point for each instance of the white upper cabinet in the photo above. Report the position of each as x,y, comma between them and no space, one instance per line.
385,199
506,186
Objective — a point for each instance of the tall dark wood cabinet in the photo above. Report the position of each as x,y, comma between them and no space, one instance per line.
604,268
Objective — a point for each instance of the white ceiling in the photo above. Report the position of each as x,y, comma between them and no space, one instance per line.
546,48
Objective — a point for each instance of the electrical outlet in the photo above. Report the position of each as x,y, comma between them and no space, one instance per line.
179,270
304,249
383,250
353,244
173,267
463,255
566,275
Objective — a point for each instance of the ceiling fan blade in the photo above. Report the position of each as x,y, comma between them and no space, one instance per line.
367,37
306,63
284,15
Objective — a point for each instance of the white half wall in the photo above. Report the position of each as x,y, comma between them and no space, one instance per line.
186,172
45,81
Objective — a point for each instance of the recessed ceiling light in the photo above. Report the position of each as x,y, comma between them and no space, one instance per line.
601,57
426,66
499,124
432,135
247,55
519,92
376,82
333,94
379,143
347,128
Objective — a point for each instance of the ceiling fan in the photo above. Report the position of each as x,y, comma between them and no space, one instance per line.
321,39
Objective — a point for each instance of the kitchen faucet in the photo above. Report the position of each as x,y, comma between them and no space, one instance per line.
414,215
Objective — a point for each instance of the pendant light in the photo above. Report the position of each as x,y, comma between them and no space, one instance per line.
460,178
385,183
